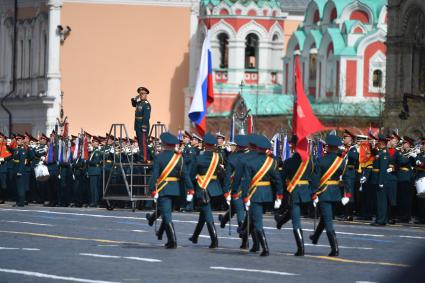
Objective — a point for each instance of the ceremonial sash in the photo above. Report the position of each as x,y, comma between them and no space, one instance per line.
203,181
332,169
259,175
161,181
300,172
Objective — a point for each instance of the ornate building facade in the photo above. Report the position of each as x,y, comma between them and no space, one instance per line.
405,92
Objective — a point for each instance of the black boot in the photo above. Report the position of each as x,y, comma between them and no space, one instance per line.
160,231
263,242
151,217
333,243
245,242
171,235
213,235
255,241
224,219
298,233
281,219
198,229
319,229
392,214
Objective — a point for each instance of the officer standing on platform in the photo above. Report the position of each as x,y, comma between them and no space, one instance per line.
141,121
328,174
168,174
260,174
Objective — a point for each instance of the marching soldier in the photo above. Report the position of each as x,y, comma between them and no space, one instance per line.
405,162
232,182
168,170
328,174
205,167
296,176
5,155
259,176
141,120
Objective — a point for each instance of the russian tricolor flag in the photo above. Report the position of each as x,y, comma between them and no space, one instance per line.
204,95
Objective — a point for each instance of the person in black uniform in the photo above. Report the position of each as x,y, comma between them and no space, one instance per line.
141,121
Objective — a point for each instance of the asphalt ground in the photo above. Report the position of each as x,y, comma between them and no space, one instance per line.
39,244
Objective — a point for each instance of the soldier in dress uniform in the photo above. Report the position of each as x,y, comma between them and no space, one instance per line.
232,181
141,120
52,166
420,173
19,158
79,168
368,188
94,171
5,155
350,175
326,192
205,168
261,179
168,170
387,181
405,163
39,152
296,177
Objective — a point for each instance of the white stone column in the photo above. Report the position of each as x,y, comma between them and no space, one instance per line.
236,61
53,65
194,50
264,66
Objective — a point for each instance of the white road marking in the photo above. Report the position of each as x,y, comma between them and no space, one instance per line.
30,223
24,249
139,231
51,276
107,245
341,247
365,282
251,270
220,237
126,257
412,237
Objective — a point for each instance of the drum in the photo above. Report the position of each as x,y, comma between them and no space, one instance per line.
420,187
41,173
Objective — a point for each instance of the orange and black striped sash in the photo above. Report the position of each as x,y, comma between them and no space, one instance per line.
300,172
259,175
161,181
332,169
203,181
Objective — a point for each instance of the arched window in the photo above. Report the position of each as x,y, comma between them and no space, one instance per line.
251,51
223,41
377,78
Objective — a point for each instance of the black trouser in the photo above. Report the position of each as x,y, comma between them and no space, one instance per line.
405,193
52,188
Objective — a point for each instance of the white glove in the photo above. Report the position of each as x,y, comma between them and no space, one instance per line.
381,186
247,205
42,158
155,197
228,198
315,202
189,198
345,200
277,203
363,180
59,176
389,170
418,162
18,174
413,154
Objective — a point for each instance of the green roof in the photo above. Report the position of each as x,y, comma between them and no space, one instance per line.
317,35
337,40
376,7
259,3
282,105
300,36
